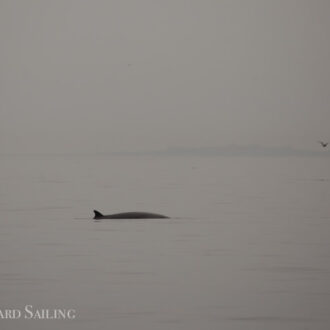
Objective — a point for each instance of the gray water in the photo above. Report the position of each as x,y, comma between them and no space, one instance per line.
247,247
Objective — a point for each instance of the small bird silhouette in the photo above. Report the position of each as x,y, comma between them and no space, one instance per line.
323,144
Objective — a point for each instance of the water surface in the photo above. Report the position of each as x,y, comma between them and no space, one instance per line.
247,246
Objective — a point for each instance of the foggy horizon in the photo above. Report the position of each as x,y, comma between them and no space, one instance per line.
99,77
222,151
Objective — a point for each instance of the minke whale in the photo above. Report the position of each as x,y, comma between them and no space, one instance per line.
129,215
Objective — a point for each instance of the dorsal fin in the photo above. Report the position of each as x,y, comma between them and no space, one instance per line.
97,214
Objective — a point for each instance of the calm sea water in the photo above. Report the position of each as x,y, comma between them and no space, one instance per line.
248,245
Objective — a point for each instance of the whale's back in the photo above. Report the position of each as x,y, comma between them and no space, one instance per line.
136,215
130,215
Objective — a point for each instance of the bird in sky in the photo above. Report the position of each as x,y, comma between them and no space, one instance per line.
323,144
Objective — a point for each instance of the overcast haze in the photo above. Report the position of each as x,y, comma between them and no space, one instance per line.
104,76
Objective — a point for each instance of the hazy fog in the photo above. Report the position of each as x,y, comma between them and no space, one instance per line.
103,76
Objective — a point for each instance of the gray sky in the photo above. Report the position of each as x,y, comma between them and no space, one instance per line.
127,75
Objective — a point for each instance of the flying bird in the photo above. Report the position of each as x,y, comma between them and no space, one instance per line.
323,144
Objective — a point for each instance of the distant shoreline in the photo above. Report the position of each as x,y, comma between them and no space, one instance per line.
226,151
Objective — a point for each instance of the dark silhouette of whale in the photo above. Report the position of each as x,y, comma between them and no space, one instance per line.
129,215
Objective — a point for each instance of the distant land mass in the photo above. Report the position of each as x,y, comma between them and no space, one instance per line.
225,151
233,150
